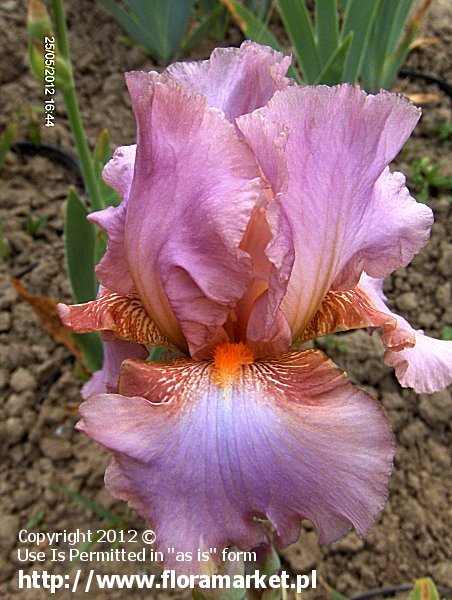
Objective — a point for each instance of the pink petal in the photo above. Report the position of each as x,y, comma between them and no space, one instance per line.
353,309
194,189
236,80
125,316
268,332
113,269
115,353
286,439
118,172
346,211
427,366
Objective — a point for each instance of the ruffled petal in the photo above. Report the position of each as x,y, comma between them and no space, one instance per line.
236,80
268,332
113,269
353,309
346,211
125,316
426,364
204,461
427,368
107,379
194,189
118,172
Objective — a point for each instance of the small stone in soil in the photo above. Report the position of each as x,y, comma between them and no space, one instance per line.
9,524
56,449
13,431
5,321
22,380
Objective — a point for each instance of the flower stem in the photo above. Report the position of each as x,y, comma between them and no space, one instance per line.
73,111
60,27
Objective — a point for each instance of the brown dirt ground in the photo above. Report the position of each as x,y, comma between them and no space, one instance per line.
39,387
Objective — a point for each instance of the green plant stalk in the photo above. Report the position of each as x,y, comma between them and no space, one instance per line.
60,27
73,112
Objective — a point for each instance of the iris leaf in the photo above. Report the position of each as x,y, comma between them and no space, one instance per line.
327,28
359,17
332,71
80,244
299,29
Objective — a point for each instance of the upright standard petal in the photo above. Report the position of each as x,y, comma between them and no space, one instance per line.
236,80
268,331
107,379
347,213
113,269
193,176
204,451
424,365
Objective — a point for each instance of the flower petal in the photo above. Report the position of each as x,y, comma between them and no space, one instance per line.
353,309
426,366
287,439
115,353
236,80
268,332
124,315
347,212
193,176
113,269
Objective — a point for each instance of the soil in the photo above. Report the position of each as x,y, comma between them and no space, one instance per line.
42,454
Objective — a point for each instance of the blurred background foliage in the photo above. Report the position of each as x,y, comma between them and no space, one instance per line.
333,41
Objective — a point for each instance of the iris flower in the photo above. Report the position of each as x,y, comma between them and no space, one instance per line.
256,215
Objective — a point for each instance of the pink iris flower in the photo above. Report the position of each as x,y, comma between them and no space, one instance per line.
257,215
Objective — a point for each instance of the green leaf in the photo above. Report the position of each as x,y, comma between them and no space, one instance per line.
99,510
332,71
102,154
36,520
250,26
394,62
34,226
80,241
447,333
131,26
327,28
384,38
424,589
91,346
158,25
255,30
166,21
203,28
359,17
207,5
259,8
6,142
397,24
299,29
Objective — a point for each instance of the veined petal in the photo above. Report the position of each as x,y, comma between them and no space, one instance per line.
125,316
353,309
425,365
113,269
193,176
346,211
107,379
280,440
236,80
